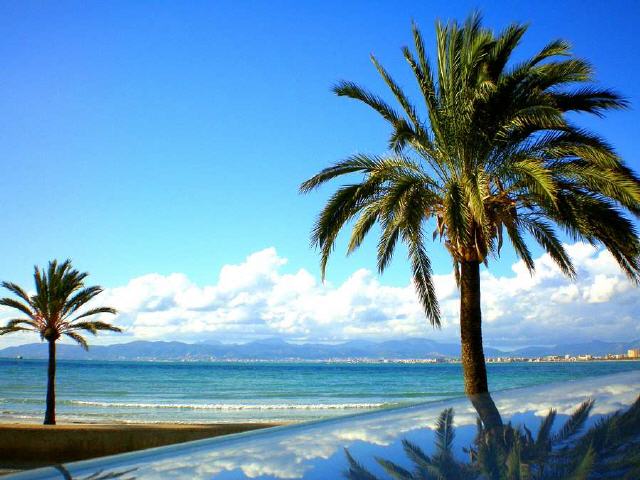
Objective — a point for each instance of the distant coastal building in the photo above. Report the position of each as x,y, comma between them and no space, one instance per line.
633,353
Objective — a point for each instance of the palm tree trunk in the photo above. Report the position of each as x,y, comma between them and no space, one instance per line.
50,414
473,362
475,371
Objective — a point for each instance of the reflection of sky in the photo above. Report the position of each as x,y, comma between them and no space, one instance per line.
316,451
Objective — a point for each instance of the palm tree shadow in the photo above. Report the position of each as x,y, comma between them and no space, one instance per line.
609,449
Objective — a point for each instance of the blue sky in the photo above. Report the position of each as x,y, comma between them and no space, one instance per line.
162,137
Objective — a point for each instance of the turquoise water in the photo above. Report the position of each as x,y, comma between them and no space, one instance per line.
247,392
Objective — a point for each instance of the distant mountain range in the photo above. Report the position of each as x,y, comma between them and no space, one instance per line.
277,349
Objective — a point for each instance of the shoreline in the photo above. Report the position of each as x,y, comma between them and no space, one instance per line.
37,422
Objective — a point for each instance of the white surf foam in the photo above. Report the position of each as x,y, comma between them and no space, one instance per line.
232,406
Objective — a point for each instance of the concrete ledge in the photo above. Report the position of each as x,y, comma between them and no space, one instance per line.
29,446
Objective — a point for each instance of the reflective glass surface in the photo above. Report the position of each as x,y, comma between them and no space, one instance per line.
382,440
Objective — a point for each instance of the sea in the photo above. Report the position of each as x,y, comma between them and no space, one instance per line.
206,392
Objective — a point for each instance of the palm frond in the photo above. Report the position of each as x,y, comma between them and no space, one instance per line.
543,439
547,239
422,274
60,291
93,327
365,222
574,424
355,163
13,303
6,330
394,470
417,455
402,99
495,150
341,208
589,100
81,297
356,92
19,291
519,245
95,311
356,471
583,469
388,241
16,322
79,339
444,432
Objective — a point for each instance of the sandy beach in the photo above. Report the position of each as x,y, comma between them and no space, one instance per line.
24,446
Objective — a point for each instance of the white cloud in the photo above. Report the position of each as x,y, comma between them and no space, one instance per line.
256,299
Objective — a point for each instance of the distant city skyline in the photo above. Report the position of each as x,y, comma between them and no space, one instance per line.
274,350
161,149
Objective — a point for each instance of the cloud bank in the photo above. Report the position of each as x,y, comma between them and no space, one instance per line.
256,299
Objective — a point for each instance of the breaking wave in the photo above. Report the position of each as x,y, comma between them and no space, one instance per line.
232,406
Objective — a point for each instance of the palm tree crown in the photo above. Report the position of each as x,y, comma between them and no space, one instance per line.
54,309
494,154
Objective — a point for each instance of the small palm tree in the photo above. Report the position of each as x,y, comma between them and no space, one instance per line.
494,156
53,311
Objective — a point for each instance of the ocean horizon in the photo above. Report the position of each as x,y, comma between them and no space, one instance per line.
253,392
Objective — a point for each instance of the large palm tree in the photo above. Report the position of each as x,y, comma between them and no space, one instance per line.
55,310
490,153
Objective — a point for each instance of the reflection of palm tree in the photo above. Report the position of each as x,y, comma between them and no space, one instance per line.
516,453
440,465
99,475
615,440
610,449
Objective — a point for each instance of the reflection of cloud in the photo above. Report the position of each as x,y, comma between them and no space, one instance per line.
314,451
256,298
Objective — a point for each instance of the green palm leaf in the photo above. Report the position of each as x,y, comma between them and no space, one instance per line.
53,311
494,153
